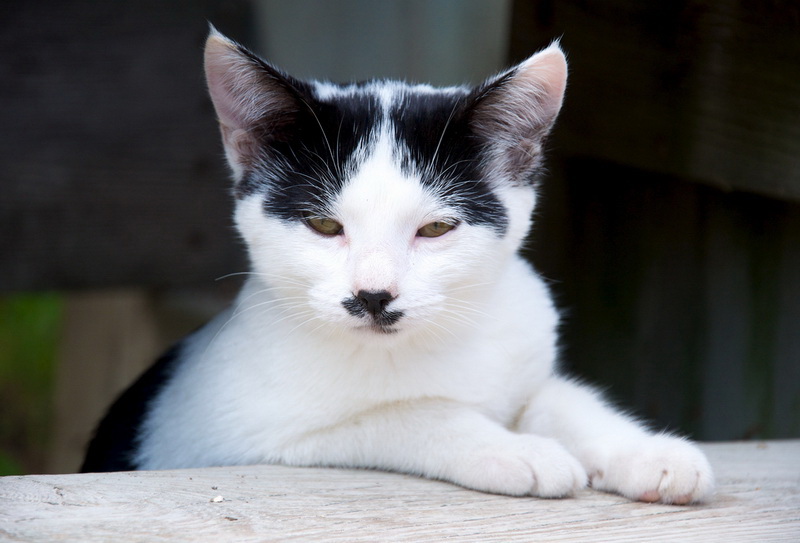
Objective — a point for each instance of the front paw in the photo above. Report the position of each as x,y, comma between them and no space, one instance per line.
657,469
524,466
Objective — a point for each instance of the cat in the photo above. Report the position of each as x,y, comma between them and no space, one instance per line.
389,321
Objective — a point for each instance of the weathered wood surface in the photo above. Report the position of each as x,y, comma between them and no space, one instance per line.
758,499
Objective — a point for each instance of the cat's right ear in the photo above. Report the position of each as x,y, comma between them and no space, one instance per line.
255,103
514,112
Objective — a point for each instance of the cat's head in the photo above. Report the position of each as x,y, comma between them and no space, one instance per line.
382,207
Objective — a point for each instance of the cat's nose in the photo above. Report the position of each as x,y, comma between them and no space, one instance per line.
374,301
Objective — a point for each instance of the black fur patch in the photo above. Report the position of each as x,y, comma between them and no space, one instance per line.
307,144
386,319
116,439
435,130
307,166
310,166
354,307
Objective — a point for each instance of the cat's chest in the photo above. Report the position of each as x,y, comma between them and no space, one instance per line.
313,384
275,375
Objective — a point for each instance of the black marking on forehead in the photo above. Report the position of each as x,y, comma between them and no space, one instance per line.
308,166
441,148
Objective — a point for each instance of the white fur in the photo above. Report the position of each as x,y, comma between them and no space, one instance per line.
465,390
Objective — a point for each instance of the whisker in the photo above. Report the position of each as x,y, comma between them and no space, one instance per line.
324,135
285,278
444,130
471,285
457,307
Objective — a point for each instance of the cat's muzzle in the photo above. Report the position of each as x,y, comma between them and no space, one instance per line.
373,305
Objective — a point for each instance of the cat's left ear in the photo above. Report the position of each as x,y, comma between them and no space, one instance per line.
255,102
514,112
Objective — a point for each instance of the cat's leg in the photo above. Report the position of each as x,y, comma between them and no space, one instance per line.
617,452
443,440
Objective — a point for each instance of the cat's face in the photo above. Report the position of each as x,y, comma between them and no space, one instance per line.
381,208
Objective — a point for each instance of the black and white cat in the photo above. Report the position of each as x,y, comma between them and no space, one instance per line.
388,321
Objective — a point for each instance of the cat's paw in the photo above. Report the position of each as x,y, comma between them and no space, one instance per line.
658,469
524,466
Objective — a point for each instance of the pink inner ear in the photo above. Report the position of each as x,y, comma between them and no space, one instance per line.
251,99
518,111
254,101
546,74
240,145
527,102
231,83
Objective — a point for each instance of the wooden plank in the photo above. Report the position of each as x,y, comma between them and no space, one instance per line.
785,400
111,165
108,339
681,298
758,499
731,393
706,90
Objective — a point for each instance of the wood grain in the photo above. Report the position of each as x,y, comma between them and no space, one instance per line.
758,499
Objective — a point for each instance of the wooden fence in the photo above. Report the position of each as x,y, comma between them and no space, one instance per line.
669,224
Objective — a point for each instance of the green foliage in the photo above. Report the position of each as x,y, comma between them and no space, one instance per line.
8,466
29,326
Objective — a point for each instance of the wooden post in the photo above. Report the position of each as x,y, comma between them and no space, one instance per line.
109,338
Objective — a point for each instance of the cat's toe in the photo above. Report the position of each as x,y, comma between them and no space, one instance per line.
531,466
661,469
558,476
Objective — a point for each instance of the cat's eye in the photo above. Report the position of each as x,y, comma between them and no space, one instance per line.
436,229
325,225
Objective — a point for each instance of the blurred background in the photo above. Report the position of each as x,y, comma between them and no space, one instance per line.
669,222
